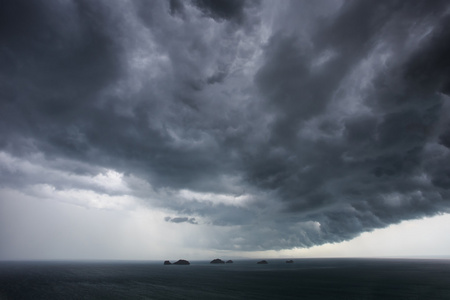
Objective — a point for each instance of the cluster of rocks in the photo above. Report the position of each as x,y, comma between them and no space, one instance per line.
262,262
219,261
179,262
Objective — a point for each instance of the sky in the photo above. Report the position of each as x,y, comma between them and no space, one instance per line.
197,129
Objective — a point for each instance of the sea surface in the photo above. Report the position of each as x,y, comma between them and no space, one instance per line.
244,279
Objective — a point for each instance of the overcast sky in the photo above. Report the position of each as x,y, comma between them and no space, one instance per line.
169,129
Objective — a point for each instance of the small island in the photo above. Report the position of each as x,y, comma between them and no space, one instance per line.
290,261
262,262
229,261
166,262
182,262
217,261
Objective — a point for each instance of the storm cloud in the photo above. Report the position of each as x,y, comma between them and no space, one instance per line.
273,124
180,220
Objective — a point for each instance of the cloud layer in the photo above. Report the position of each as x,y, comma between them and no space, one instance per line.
273,125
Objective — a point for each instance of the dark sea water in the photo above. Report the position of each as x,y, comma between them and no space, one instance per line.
304,279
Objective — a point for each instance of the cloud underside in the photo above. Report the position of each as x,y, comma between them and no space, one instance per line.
281,125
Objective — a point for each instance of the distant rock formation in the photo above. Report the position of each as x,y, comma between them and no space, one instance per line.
217,261
182,262
262,262
166,262
290,261
229,261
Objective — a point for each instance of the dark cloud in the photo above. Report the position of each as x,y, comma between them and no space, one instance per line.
282,126
222,9
428,69
348,181
176,6
181,220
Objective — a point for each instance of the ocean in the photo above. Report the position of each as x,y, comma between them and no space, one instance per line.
244,279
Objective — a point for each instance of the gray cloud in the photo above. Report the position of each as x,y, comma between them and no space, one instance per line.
181,220
287,131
